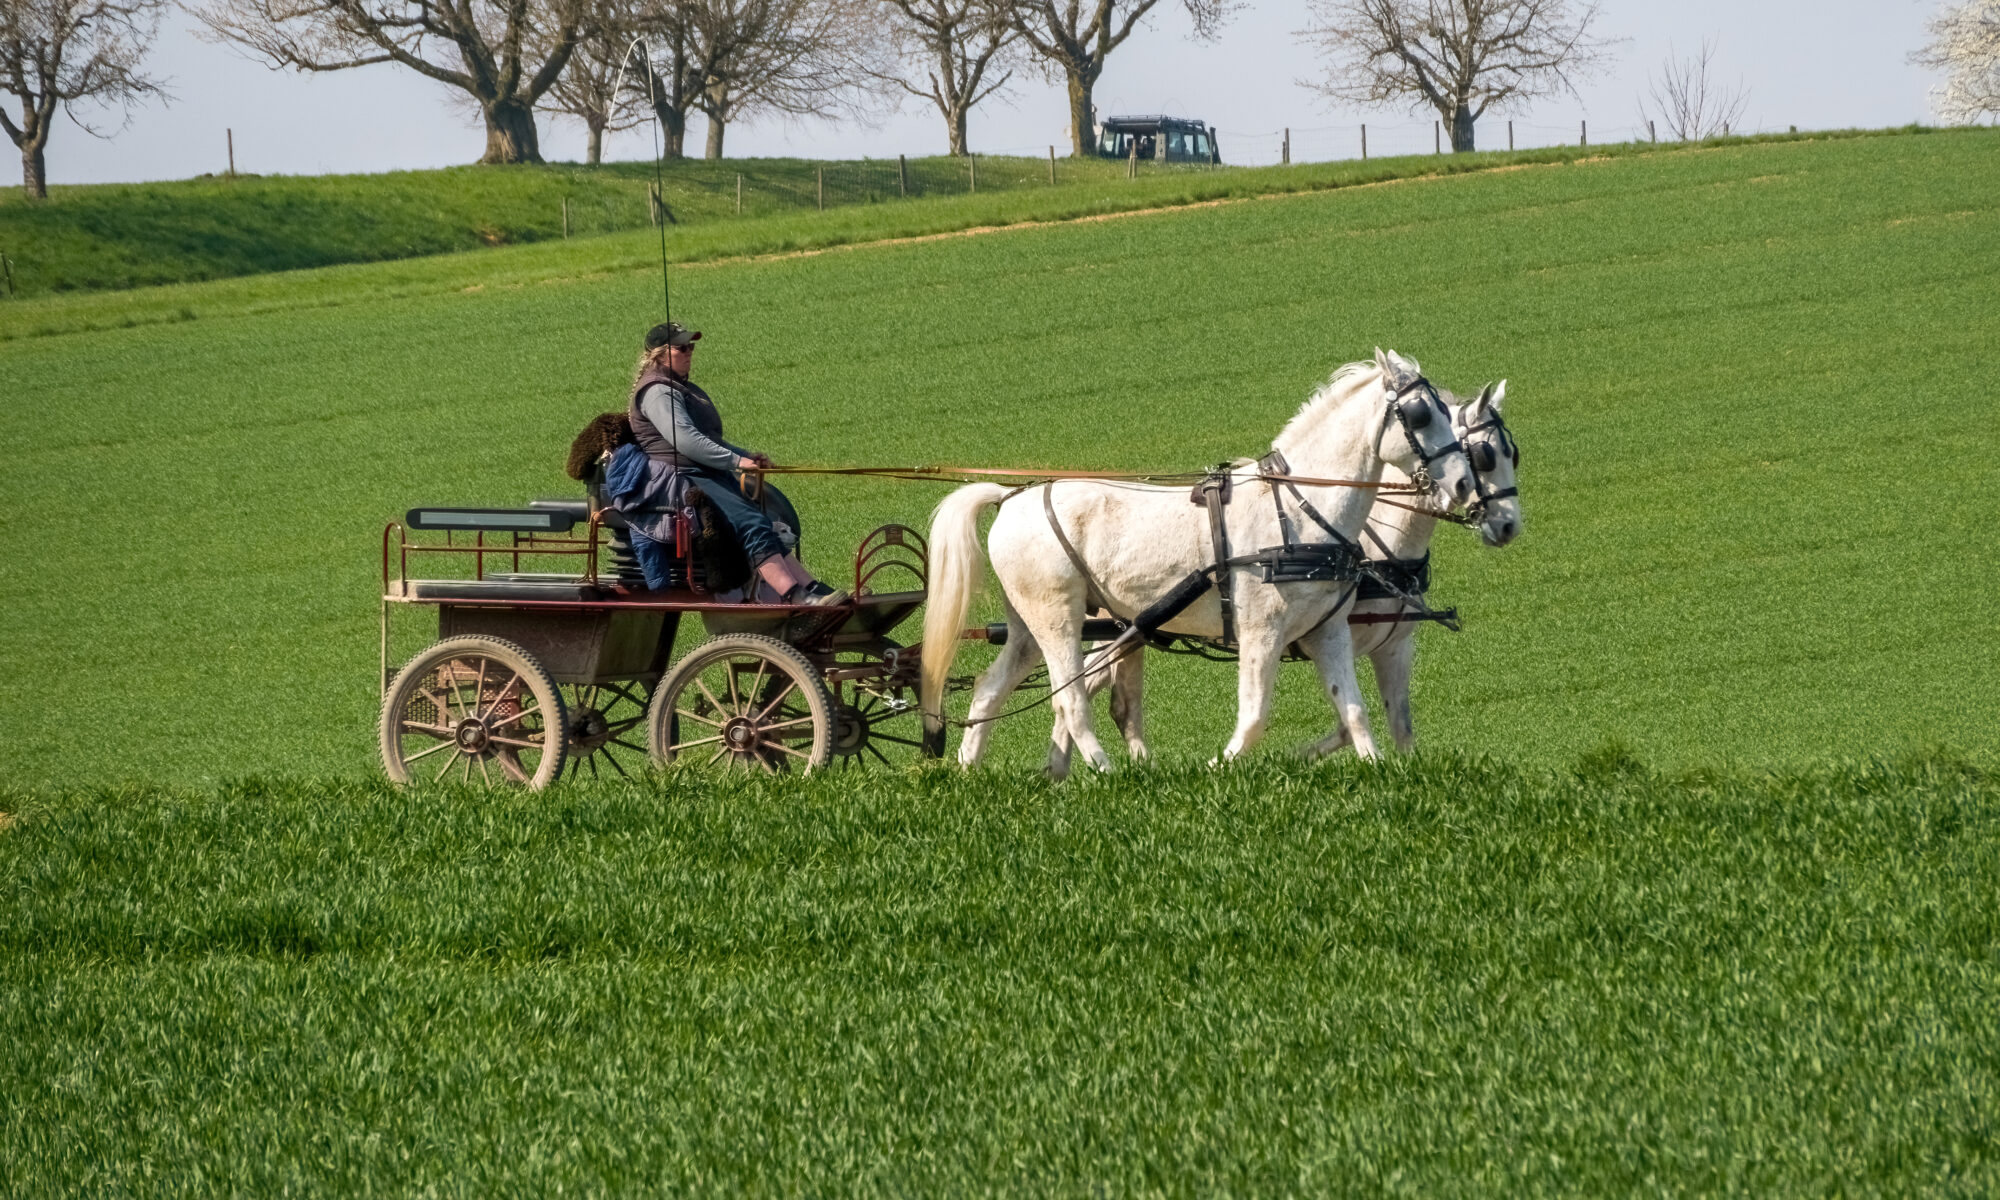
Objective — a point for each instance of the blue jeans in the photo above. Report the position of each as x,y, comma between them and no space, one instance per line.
749,523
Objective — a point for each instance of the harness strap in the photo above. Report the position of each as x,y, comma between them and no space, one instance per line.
1093,592
1214,491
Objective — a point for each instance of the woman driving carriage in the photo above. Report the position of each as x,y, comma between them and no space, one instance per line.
678,441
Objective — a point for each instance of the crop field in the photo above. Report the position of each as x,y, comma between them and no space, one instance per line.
96,236
1691,888
80,257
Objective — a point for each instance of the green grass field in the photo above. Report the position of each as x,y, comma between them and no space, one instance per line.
1651,912
86,239
1438,978
97,236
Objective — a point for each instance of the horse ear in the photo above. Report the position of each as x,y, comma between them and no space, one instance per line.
1496,395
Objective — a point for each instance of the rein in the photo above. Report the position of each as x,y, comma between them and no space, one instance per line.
928,474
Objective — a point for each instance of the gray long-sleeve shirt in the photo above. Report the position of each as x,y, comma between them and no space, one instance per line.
663,407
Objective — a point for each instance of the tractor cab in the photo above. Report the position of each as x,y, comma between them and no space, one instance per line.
1158,138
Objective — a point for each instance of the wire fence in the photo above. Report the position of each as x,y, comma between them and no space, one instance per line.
1391,139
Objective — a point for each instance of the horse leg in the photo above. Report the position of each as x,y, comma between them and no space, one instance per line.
996,683
1256,682
1394,663
1071,703
1128,689
1335,654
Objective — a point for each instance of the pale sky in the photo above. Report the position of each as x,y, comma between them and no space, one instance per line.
1817,65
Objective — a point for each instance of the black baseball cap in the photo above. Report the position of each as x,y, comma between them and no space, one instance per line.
673,333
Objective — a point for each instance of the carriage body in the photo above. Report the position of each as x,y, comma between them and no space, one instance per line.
535,673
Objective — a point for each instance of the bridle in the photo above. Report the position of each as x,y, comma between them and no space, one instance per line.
1416,413
1483,458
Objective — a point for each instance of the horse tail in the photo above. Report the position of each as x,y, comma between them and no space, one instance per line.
957,563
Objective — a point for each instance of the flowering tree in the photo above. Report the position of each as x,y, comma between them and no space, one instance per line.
1966,43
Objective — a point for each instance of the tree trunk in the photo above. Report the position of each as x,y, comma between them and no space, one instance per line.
955,125
1082,137
596,151
35,173
1461,129
673,124
510,134
715,128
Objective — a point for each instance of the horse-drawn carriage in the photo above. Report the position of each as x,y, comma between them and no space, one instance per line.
537,671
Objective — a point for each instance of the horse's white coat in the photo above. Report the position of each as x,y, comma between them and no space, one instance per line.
1392,532
1140,541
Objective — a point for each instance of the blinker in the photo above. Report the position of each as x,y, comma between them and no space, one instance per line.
1483,456
1416,414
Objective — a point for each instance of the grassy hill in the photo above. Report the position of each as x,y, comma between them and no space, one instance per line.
113,236
1691,890
87,238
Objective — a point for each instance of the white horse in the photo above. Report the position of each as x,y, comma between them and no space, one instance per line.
1397,538
1131,545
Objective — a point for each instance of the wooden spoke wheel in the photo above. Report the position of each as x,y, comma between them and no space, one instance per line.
742,701
475,709
877,723
606,727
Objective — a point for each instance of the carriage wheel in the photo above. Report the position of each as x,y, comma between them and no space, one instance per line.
876,724
475,709
742,701
606,723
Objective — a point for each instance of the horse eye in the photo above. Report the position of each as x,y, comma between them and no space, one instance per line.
1417,414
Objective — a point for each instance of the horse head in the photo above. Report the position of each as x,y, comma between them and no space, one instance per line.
1428,449
1494,456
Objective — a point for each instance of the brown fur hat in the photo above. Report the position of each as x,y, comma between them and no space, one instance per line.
604,434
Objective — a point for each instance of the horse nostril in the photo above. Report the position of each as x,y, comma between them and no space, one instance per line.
1463,487
1507,531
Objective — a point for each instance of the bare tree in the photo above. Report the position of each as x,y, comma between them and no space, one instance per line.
1076,36
1690,102
1459,57
1966,43
588,89
503,54
63,53
961,48
795,57
674,81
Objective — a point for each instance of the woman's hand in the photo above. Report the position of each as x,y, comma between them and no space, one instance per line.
756,461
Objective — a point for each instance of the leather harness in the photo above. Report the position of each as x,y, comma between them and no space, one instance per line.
1339,560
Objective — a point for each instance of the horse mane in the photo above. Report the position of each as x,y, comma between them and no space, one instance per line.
1343,383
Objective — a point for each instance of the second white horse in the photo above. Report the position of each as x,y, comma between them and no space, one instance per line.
1131,544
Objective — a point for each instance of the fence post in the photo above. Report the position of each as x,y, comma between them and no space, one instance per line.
1052,166
820,194
1287,148
739,195
902,175
232,152
972,165
565,216
1364,141
1132,164
1437,137
1583,134
7,269
1510,135
1652,134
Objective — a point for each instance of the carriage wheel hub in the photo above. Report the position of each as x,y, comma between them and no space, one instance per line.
472,735
740,734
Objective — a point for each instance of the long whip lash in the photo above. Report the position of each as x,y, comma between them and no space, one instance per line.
659,152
